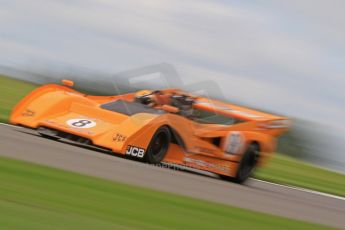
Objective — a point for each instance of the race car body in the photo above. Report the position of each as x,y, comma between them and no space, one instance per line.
218,137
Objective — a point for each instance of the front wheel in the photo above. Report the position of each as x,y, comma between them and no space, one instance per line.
158,146
248,163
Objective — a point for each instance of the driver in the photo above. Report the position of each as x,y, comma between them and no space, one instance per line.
184,103
152,98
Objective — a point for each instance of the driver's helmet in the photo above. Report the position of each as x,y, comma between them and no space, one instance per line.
145,97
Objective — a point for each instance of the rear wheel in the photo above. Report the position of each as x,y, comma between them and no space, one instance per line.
158,146
248,163
246,166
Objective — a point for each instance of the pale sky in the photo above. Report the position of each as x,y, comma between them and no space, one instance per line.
285,56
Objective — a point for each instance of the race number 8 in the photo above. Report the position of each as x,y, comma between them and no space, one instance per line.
81,123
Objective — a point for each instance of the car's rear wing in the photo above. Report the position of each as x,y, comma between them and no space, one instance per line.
235,111
252,120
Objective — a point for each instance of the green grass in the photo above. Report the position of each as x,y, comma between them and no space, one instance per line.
38,197
287,170
282,169
11,91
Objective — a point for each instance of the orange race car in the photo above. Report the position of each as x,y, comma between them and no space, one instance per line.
167,126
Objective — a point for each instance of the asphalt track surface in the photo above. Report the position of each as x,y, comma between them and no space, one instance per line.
25,144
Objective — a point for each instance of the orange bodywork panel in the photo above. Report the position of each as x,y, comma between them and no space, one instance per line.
212,147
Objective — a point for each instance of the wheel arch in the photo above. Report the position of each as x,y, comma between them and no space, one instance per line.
176,137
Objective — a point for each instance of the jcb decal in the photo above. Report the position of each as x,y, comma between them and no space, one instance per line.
119,138
135,151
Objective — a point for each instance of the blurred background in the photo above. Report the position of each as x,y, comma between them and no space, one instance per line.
282,58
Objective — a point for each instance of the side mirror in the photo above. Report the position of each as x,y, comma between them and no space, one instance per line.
67,82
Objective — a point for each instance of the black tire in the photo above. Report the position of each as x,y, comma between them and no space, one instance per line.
158,146
247,164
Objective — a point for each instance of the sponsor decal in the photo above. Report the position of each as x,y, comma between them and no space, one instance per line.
119,138
188,161
135,151
81,123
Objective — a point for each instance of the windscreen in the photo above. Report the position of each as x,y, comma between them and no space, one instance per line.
129,108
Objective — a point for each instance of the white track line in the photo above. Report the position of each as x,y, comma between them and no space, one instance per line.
285,186
303,190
